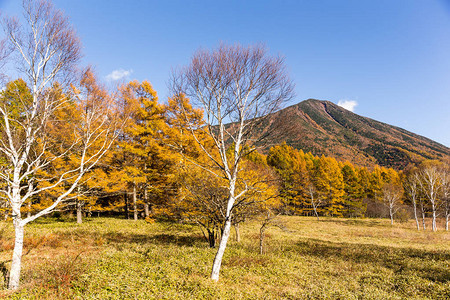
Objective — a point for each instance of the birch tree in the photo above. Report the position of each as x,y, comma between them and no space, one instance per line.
46,51
392,194
237,86
431,187
411,187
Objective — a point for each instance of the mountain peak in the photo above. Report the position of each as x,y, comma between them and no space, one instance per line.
323,127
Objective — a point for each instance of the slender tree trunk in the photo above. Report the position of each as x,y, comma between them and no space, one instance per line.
415,214
146,206
446,221
434,220
135,202
14,275
79,205
261,239
79,212
423,217
146,210
238,234
127,213
219,255
391,214
211,238
315,213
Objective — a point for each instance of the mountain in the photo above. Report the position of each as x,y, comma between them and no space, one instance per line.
322,127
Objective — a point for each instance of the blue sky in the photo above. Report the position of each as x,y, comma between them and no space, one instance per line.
391,57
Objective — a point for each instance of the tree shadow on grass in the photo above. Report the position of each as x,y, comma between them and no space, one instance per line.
159,239
431,265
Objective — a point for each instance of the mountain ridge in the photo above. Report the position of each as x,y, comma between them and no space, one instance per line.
324,128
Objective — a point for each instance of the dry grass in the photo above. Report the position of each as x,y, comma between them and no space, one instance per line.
330,259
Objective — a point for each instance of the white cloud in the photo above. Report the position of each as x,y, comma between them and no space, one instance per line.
118,74
348,104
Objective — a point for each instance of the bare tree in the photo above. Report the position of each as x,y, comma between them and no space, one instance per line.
411,187
46,52
234,85
269,218
392,195
422,200
429,180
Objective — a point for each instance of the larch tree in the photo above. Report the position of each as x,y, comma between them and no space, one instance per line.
143,163
291,166
353,197
46,51
236,87
328,180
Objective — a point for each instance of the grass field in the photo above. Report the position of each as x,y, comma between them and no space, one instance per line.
328,259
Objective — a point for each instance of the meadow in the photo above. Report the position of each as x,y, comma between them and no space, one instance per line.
334,258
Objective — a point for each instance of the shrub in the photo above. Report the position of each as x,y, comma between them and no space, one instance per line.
402,216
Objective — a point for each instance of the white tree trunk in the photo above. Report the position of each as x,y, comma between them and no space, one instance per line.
261,239
219,255
423,221
415,214
238,234
14,274
434,220
135,211
146,206
79,212
446,222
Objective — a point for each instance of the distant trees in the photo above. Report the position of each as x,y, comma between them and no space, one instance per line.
317,186
429,184
324,186
236,85
294,168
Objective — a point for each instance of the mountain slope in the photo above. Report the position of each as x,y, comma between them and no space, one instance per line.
323,127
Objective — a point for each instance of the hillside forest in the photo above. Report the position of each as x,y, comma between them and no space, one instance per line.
69,146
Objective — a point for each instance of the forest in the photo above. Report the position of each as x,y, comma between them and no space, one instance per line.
73,149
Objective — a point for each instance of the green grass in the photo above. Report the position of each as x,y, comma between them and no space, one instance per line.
330,259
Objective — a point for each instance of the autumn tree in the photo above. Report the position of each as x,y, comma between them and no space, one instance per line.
411,188
143,164
236,87
291,166
392,195
202,200
430,183
353,197
46,51
328,180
